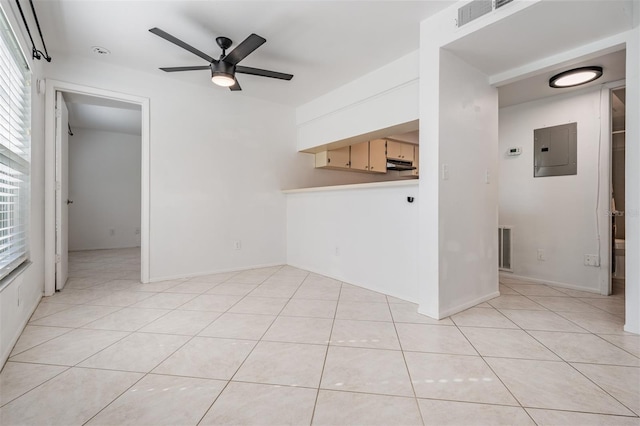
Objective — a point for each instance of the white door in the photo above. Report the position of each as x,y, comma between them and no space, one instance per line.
62,191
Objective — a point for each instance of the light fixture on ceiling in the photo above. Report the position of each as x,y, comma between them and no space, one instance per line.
575,77
222,74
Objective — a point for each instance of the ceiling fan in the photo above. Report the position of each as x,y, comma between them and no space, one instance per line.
224,69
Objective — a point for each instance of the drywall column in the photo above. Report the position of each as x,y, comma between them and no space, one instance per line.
458,264
459,198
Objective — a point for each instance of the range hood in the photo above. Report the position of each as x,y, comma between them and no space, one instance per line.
399,165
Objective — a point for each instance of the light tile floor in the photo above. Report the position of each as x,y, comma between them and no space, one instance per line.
279,345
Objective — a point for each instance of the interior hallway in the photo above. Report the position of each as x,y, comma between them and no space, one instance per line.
280,346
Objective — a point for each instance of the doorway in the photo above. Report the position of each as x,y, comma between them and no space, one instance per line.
100,191
57,202
618,228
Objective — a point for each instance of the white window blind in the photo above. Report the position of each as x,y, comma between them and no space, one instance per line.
15,141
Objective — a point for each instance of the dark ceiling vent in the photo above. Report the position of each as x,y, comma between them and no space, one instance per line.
500,3
473,10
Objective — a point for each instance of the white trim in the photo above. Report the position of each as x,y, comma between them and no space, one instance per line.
5,356
217,271
451,311
551,283
341,279
53,86
606,182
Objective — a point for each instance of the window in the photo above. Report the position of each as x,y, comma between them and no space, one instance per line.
15,141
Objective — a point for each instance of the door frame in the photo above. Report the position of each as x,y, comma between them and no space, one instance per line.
62,192
51,87
604,190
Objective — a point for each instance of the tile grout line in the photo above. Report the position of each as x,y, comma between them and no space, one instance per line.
406,365
567,362
494,372
326,355
245,358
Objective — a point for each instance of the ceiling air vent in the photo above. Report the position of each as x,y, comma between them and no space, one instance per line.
473,10
500,3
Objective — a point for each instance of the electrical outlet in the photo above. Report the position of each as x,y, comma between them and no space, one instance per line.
591,260
337,252
112,232
445,172
137,231
541,255
237,245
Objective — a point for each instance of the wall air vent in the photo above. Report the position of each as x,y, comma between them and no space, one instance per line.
500,3
473,10
505,248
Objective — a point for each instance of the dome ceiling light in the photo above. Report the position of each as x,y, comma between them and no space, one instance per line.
575,77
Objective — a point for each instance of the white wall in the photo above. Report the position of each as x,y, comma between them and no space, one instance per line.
383,98
555,214
219,161
29,284
463,234
364,235
104,184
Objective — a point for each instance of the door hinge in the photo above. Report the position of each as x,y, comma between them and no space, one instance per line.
58,258
58,185
58,113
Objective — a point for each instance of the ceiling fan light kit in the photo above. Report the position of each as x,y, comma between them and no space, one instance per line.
224,69
222,74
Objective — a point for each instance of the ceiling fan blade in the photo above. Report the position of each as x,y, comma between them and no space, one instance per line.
249,44
178,42
263,73
235,87
196,68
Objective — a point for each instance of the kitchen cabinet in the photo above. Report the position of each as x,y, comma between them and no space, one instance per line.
369,156
399,151
360,156
334,159
378,156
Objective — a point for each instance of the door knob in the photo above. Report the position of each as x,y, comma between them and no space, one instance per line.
69,202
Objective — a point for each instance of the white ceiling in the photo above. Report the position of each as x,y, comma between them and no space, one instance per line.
548,28
88,112
325,44
537,86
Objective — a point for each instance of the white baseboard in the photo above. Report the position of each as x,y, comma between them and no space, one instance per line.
342,279
217,271
5,356
549,282
451,311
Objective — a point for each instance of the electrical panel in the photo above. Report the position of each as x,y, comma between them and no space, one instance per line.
555,150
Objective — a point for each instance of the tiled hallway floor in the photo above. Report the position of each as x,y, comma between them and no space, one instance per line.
279,345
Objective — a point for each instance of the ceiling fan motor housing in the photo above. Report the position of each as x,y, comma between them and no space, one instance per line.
222,68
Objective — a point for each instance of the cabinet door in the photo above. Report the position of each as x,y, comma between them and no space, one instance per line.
400,151
360,156
377,156
407,152
394,150
339,157
416,161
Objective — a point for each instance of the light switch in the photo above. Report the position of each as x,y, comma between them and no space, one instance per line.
445,172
